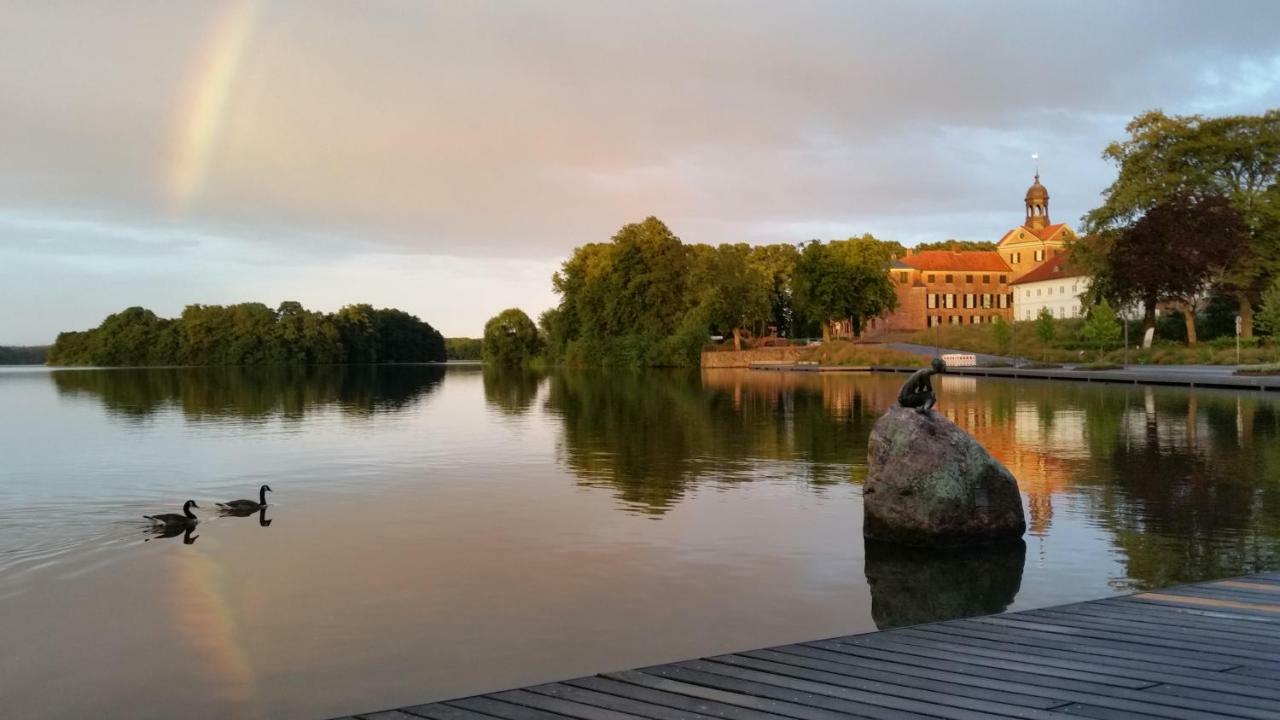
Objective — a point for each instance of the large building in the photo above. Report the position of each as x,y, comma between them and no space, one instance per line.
942,287
1054,286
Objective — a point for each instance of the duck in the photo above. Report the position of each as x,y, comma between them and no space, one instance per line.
247,506
174,520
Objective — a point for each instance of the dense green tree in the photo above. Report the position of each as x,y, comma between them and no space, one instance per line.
1102,328
463,348
733,291
252,334
511,339
1177,252
778,265
844,280
1046,326
1237,157
1002,333
958,246
23,354
1269,314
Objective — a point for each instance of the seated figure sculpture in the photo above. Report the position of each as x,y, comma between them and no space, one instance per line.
917,391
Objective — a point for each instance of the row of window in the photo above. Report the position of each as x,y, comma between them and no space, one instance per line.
950,278
969,300
1015,258
1062,312
1062,290
935,320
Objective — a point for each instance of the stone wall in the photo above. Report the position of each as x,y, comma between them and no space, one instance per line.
744,358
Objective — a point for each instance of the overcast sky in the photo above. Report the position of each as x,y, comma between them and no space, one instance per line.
444,158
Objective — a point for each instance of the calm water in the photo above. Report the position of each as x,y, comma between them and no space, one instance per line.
442,532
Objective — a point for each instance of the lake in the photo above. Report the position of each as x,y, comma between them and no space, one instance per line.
436,532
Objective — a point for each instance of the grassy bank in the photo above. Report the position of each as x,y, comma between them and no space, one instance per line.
842,352
1066,347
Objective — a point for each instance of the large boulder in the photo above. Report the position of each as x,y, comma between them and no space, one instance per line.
929,483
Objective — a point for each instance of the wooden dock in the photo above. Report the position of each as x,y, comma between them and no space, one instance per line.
1196,652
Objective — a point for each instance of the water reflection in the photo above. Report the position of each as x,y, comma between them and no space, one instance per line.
910,586
169,531
511,391
261,512
252,392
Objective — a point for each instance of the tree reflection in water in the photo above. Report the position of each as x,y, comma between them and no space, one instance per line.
246,393
511,391
1184,481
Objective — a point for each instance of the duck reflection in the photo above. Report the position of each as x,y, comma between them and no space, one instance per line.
910,586
168,531
261,512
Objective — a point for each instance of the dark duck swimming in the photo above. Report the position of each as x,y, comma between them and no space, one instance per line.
174,520
246,507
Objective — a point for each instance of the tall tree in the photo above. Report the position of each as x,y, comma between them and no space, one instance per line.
1179,250
734,292
844,280
510,338
1237,157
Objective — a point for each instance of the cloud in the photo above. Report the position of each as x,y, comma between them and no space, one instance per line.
519,130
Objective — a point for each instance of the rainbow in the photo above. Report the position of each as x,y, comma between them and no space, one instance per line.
200,119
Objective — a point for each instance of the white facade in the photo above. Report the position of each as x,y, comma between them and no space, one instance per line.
1060,295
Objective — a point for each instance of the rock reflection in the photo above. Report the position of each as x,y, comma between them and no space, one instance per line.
910,586
241,392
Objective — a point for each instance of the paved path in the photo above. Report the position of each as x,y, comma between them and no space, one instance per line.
1198,652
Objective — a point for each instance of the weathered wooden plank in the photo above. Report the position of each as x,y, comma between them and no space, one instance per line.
695,702
969,663
1219,628
1084,649
1063,691
500,709
889,680
783,702
1177,638
1175,619
613,702
438,711
560,706
1125,676
1209,651
832,696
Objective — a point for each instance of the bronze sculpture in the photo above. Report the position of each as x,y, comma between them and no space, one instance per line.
917,391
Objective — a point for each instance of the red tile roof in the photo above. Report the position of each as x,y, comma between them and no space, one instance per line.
1055,268
978,260
1044,234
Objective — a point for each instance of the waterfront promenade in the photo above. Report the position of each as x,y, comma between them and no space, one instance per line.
1196,652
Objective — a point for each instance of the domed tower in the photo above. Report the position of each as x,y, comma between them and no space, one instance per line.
1037,205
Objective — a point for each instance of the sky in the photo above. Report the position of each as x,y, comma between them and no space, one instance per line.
445,158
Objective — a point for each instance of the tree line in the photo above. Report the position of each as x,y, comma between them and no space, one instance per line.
252,334
645,298
1193,215
23,354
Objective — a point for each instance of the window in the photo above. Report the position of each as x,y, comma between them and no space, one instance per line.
902,278
1004,279
975,320
969,301
1037,292
933,278
986,278
986,300
1017,258
1028,292
1062,289
1038,255
954,319
950,299
949,279
935,320
968,278
931,300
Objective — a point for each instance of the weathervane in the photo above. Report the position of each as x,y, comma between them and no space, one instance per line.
1036,157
